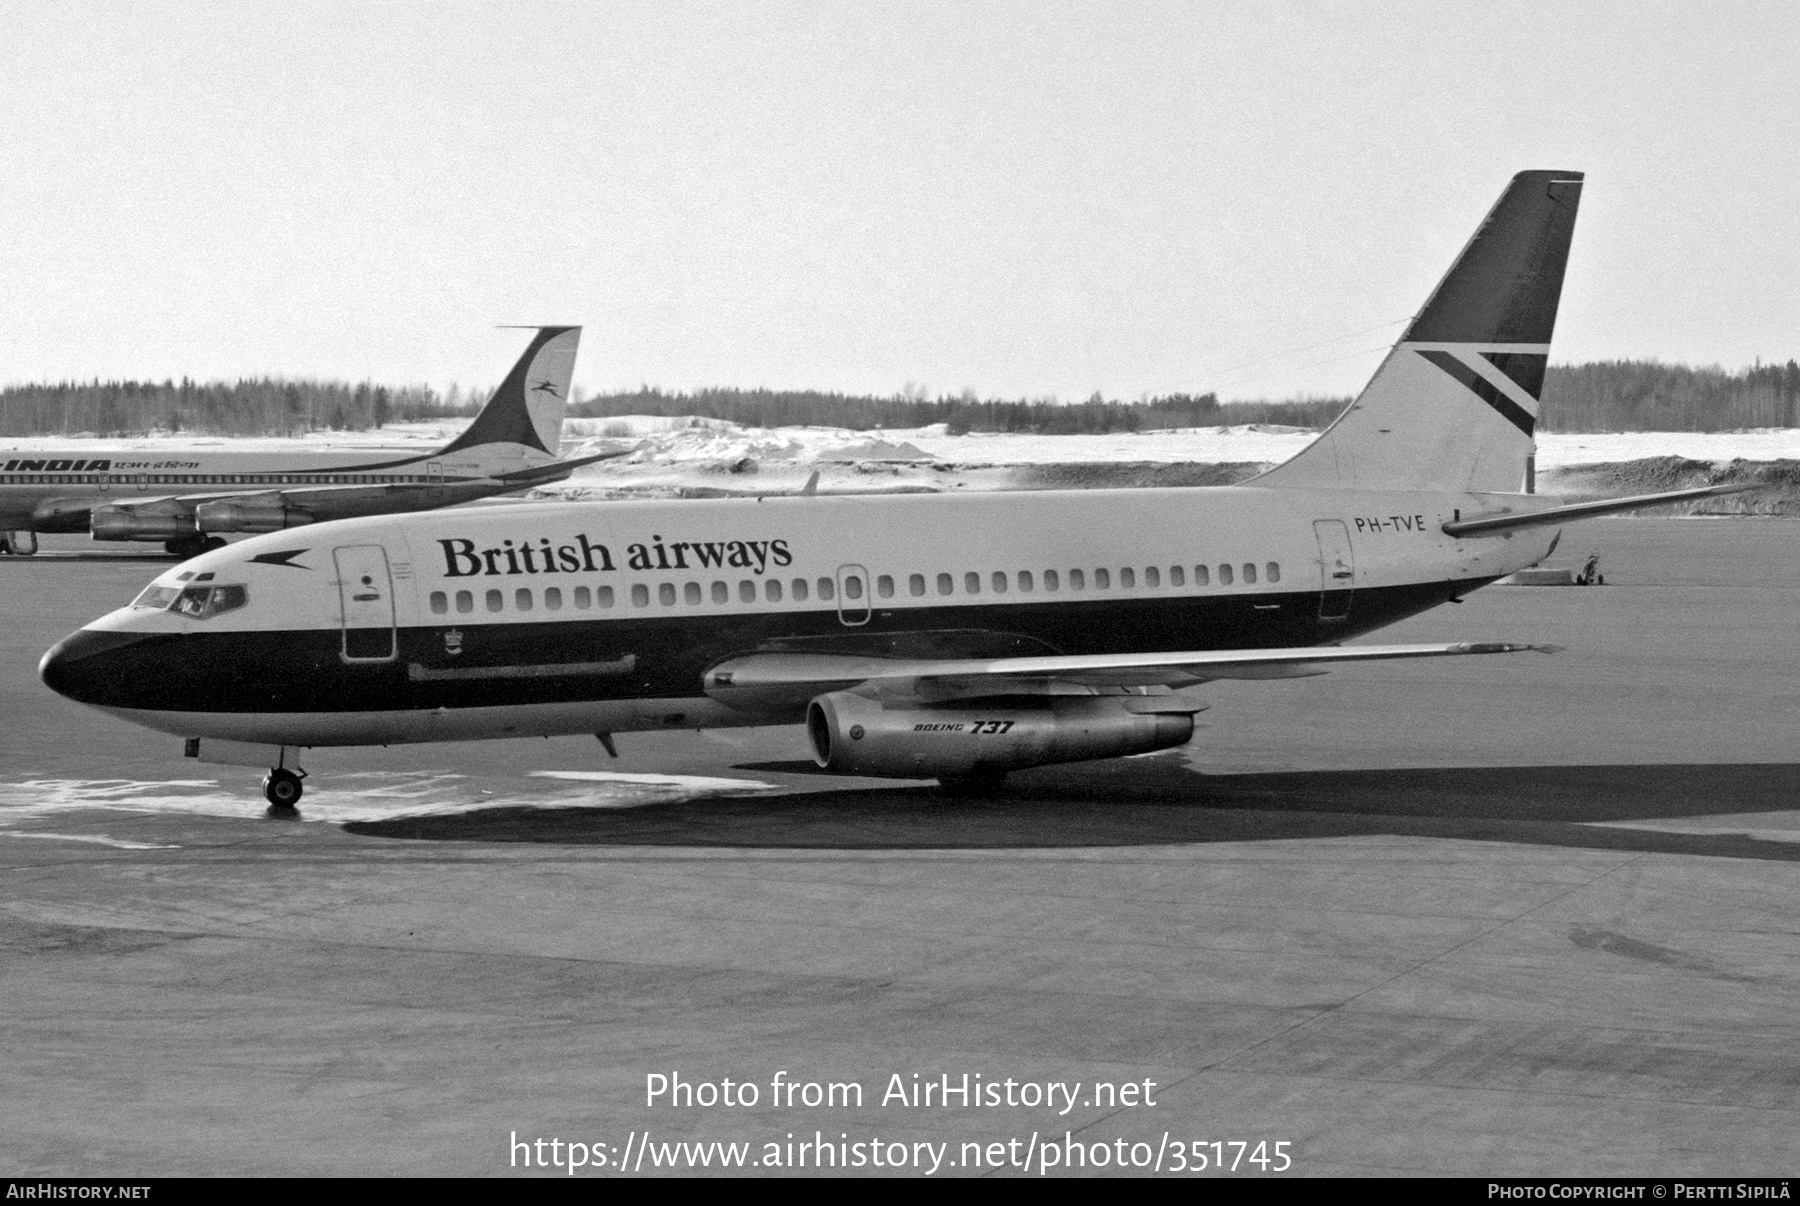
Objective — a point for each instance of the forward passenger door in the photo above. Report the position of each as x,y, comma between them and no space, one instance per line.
366,589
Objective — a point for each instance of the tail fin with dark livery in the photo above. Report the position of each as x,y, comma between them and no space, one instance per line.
1454,405
523,418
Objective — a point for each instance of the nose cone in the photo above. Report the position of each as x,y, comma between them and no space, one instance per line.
87,666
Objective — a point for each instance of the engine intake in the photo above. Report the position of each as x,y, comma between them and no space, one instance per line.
854,735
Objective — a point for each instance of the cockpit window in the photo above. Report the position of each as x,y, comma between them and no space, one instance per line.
196,602
193,601
228,598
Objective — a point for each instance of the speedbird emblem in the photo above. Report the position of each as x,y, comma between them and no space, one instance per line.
546,387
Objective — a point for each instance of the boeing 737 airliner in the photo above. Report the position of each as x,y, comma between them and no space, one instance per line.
916,636
185,497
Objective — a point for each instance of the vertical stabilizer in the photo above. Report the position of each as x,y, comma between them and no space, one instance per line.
524,417
1454,405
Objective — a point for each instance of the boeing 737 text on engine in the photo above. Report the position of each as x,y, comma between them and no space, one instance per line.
919,636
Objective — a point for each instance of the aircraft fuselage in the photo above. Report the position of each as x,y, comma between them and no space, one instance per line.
572,618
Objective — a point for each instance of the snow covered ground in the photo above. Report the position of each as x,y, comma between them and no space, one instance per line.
710,440
675,453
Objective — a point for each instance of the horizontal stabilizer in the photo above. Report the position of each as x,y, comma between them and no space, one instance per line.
557,470
1482,525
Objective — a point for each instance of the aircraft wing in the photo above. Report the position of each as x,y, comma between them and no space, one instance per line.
762,679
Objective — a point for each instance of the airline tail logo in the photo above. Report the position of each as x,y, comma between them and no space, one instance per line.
1455,404
1510,381
527,409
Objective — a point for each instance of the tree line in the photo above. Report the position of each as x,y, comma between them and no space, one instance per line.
1618,395
961,414
262,406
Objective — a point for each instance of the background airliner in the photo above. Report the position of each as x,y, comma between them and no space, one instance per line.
917,636
185,497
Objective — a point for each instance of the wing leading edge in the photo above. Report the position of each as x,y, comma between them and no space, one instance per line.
760,680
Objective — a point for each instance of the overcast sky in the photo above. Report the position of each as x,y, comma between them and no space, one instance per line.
1019,199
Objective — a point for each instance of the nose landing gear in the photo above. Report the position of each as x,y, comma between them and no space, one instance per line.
281,787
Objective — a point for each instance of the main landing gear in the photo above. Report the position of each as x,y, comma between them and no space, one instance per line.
281,787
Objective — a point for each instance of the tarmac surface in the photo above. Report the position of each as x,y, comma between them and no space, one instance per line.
1505,916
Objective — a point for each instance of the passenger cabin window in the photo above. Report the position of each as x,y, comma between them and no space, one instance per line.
884,586
1127,578
465,601
1201,576
665,594
972,583
495,600
827,591
582,597
691,592
1102,579
603,596
552,599
746,591
440,603
721,592
1152,577
1076,580
772,590
1177,576
915,585
1050,582
1274,571
945,584
1224,575
522,599
799,590
640,595
1025,581
998,582
1249,571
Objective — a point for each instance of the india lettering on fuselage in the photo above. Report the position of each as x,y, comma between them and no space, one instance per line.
463,560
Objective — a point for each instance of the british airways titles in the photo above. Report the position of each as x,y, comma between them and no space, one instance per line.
462,559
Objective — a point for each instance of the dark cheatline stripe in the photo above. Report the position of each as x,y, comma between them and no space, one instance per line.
665,656
1526,369
1484,389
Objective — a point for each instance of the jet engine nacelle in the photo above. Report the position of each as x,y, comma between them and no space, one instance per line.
109,523
854,735
240,515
